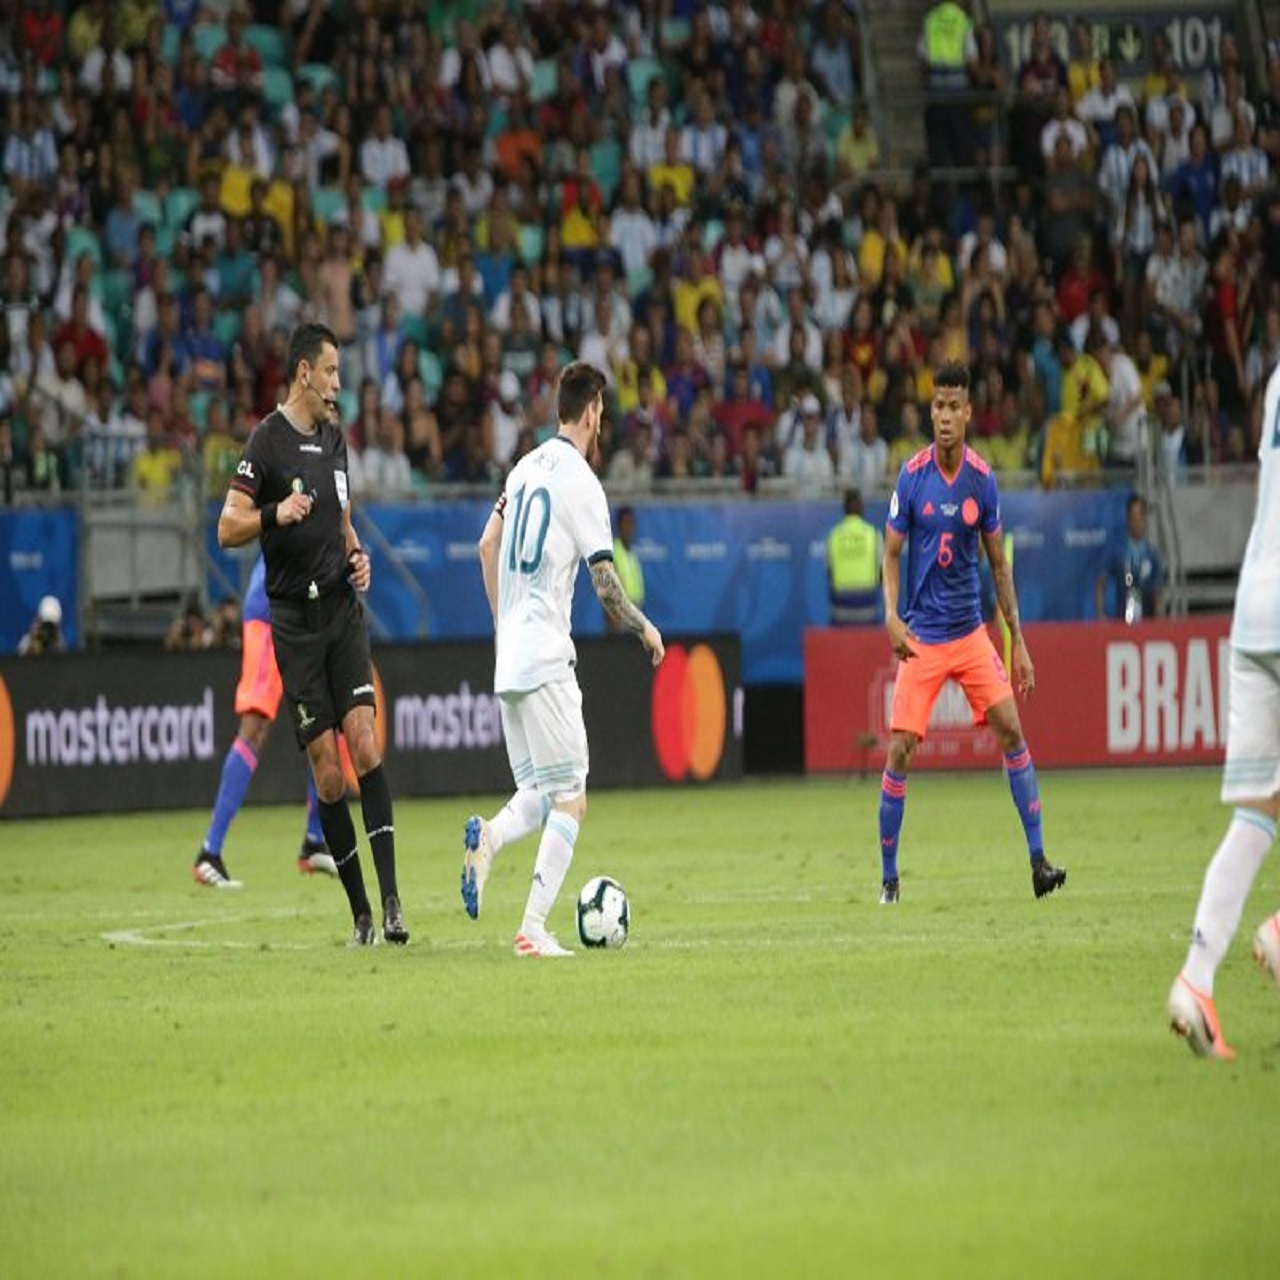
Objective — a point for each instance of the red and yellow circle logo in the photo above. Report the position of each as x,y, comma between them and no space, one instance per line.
8,741
379,736
688,713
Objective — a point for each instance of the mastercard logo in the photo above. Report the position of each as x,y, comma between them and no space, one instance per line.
8,741
689,713
379,736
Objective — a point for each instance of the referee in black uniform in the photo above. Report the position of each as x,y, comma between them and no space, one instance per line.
290,491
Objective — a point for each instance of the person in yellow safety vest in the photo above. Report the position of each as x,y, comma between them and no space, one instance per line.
854,552
625,561
948,50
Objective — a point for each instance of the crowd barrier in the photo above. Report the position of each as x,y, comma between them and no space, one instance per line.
1106,695
128,731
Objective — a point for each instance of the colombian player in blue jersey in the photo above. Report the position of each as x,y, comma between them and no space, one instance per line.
257,701
944,504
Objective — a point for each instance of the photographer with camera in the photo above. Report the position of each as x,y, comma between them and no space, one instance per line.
44,635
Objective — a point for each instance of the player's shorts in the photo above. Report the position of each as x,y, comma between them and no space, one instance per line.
547,739
325,665
972,662
1252,770
259,689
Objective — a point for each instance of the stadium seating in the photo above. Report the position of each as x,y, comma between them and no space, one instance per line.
271,43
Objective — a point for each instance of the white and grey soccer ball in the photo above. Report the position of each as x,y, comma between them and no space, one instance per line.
604,914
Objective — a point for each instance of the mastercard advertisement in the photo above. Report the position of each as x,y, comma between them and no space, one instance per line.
125,732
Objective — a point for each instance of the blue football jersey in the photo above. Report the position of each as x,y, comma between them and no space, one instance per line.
942,519
255,598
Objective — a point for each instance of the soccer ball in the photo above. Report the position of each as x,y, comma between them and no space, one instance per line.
604,914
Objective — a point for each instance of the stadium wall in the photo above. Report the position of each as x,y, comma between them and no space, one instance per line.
1106,695
754,569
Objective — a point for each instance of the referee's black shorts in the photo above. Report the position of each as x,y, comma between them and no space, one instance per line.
322,650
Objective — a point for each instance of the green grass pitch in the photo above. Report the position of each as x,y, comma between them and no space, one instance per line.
777,1077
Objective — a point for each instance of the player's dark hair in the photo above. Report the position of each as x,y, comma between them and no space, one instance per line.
579,385
306,342
952,374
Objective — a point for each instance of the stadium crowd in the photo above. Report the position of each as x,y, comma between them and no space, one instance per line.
691,196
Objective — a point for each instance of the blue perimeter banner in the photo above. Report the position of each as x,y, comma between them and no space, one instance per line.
756,569
39,556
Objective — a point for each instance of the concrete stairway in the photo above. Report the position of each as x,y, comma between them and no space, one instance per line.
892,30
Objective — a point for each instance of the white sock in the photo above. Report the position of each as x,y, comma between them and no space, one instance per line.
555,853
1227,883
520,816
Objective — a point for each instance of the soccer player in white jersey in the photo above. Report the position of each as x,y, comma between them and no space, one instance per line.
1251,777
552,513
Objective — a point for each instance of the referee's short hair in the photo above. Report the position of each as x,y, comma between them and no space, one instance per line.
580,383
305,343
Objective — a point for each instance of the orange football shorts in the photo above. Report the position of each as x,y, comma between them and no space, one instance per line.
259,688
972,662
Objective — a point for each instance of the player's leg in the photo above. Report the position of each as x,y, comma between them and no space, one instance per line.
350,668
340,832
557,738
377,811
915,689
257,701
301,655
982,675
1250,782
523,814
314,857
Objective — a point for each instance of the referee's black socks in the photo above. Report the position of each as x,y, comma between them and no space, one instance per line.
375,801
340,835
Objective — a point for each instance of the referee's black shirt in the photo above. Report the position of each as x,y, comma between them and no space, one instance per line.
278,460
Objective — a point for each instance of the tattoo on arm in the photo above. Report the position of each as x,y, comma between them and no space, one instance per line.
604,577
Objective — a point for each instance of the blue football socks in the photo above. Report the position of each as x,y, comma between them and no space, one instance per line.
893,802
237,773
1026,797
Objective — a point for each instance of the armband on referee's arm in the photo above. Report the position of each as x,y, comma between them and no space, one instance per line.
268,513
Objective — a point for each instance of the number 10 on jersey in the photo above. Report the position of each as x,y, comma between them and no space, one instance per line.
525,552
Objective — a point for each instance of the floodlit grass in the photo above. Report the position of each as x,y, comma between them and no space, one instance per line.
777,1077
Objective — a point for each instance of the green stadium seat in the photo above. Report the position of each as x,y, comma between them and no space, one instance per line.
348,405
179,205
277,88
532,239
326,201
117,292
81,240
544,80
166,240
270,42
638,281
606,165
198,402
414,328
675,32
209,38
318,75
639,72
374,199
227,325
146,204
833,120
171,44
431,372
712,230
